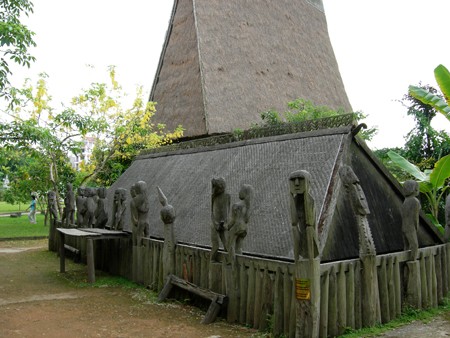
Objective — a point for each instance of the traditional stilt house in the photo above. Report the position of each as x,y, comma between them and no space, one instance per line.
321,245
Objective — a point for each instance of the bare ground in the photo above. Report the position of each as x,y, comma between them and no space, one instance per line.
37,301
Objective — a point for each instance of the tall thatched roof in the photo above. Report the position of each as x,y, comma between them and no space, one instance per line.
225,62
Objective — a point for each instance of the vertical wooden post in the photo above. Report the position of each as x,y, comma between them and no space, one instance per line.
332,304
307,291
358,296
342,299
423,281
278,305
62,253
324,288
369,283
350,291
384,292
413,286
90,260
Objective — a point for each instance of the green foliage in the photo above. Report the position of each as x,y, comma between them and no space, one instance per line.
424,145
438,102
15,39
301,110
431,182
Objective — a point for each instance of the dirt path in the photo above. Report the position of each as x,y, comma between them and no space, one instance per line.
36,300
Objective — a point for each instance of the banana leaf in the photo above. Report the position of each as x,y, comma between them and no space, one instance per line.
442,76
430,99
440,172
407,166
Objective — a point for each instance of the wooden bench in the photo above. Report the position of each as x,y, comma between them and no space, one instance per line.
217,300
90,234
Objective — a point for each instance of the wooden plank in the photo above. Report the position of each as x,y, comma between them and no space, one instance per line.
398,287
243,289
332,305
342,299
391,286
62,253
324,299
204,268
358,296
445,271
384,292
350,295
258,301
287,297
250,295
439,274
434,290
278,304
423,281
77,233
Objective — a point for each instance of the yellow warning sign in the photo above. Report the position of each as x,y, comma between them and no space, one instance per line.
302,289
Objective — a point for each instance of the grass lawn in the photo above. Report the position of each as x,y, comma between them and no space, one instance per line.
5,207
21,227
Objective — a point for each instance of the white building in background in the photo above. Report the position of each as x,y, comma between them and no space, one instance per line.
6,182
85,156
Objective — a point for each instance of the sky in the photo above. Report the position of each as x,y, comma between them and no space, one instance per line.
382,47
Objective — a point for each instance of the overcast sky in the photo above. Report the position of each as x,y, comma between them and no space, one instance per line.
381,46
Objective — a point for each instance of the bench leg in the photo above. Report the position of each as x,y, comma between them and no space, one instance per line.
62,253
212,312
90,260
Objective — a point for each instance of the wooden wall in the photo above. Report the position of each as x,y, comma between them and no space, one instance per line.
261,291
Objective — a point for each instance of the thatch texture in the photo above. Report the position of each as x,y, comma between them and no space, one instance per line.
265,163
248,57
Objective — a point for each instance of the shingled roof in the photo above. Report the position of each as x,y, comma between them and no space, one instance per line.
225,62
265,163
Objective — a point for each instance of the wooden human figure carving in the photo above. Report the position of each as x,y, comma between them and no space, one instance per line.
51,205
134,215
69,207
410,218
360,209
119,207
101,214
168,217
303,216
140,212
220,208
240,216
91,206
81,206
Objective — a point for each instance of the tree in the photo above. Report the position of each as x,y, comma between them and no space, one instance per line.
54,134
15,39
424,145
441,104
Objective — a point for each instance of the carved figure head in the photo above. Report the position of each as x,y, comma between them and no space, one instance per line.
141,187
69,187
101,192
133,191
411,188
299,182
246,192
80,191
218,185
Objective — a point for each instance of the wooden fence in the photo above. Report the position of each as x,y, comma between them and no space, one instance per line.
262,292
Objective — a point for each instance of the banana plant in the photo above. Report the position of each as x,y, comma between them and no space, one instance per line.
432,183
442,76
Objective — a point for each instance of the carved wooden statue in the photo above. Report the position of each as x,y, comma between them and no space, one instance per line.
119,208
140,212
91,206
133,214
303,216
410,217
360,209
69,207
51,205
240,215
81,206
168,218
101,214
220,208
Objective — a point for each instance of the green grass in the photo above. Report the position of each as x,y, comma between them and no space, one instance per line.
408,316
5,207
21,227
